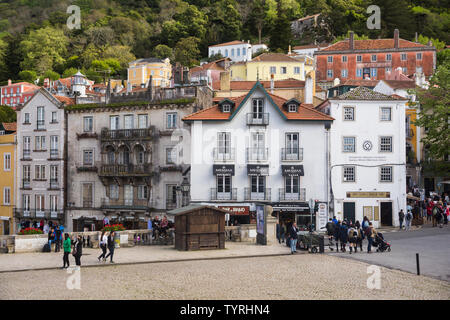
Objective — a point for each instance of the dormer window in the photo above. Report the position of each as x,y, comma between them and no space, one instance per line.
226,107
292,107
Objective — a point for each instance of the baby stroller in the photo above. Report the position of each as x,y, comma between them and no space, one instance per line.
381,244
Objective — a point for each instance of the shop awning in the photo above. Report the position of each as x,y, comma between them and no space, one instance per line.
292,170
257,170
286,207
223,169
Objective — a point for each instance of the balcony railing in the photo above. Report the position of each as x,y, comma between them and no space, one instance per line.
230,195
26,153
257,154
294,196
54,184
126,134
87,203
125,170
171,204
40,124
36,213
125,203
258,119
291,154
409,133
224,154
265,195
54,154
26,183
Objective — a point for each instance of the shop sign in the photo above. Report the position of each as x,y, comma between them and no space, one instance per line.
368,194
285,207
223,169
236,210
323,214
258,170
292,170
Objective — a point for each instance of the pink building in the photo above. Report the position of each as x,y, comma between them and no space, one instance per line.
16,94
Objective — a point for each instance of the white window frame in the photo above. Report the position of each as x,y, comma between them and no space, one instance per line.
344,144
7,161
382,114
114,191
88,124
7,196
403,55
140,124
391,174
344,73
142,192
283,70
419,54
346,173
329,59
273,70
54,117
170,122
226,108
359,58
382,144
296,70
85,151
344,59
388,57
345,114
329,73
173,155
372,58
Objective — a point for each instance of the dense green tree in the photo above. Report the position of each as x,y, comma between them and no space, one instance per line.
69,72
162,51
43,49
281,36
120,53
187,52
7,114
28,76
52,75
434,115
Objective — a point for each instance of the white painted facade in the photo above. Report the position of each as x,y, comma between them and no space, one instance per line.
312,143
236,52
44,191
367,158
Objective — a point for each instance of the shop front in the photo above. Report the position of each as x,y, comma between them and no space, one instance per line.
238,215
288,213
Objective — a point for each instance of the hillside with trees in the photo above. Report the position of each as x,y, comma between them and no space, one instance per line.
35,41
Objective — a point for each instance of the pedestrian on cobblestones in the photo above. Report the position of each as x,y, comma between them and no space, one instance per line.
57,239
343,233
294,237
330,230
110,247
352,234
66,247
408,220
337,234
370,234
360,236
401,217
103,244
78,250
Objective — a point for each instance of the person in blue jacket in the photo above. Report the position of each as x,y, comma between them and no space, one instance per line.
343,235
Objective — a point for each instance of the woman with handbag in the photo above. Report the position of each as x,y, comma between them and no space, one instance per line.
78,250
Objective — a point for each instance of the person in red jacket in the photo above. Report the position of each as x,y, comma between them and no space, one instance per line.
430,210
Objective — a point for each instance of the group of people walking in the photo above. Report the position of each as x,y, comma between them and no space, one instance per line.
354,234
107,242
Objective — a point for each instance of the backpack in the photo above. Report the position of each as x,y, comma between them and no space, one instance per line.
408,216
46,248
368,232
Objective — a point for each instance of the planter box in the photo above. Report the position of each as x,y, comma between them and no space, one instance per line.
30,243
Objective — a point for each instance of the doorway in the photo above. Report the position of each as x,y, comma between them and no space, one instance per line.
386,213
349,211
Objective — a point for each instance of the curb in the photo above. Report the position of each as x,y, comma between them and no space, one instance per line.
151,262
416,228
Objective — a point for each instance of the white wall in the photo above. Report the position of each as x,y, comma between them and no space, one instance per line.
312,140
235,58
368,127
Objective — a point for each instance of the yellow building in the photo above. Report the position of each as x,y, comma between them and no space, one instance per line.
140,71
281,66
7,151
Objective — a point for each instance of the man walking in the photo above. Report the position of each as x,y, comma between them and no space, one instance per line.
294,237
110,246
408,220
401,217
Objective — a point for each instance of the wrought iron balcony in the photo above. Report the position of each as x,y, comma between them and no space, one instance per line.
291,154
54,154
257,154
126,134
26,184
224,154
293,196
230,195
37,213
130,204
258,119
26,154
114,170
265,195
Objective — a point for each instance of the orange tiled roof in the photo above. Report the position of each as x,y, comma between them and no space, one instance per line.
229,43
401,84
371,44
305,112
10,126
273,57
66,100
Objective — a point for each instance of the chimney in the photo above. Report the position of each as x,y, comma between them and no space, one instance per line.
308,89
289,50
9,82
351,41
417,39
272,83
396,39
225,81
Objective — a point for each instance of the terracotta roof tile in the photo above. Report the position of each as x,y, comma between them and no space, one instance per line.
400,84
228,43
363,93
371,44
273,57
10,126
305,112
66,100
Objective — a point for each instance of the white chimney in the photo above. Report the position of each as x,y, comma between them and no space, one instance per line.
308,90
9,82
272,83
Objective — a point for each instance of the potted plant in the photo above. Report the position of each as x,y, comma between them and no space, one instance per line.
28,231
116,228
